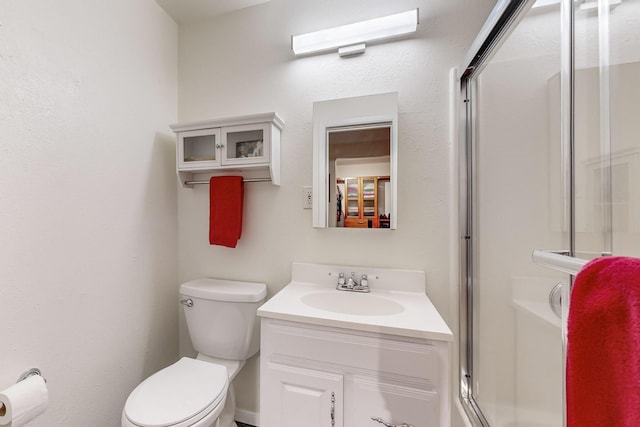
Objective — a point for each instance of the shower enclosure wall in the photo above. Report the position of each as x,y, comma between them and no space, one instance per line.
550,160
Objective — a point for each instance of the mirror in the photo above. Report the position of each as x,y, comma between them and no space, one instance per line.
359,176
355,162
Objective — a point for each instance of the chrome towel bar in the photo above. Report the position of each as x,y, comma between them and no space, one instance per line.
244,180
556,261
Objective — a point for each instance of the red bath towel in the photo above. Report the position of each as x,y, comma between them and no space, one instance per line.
226,196
603,350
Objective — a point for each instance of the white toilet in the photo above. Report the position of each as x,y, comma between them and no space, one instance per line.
222,322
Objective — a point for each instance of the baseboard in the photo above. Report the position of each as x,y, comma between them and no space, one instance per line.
247,417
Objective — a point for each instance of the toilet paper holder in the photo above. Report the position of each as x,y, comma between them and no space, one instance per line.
31,372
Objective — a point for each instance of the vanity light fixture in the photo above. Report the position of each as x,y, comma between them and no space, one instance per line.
350,39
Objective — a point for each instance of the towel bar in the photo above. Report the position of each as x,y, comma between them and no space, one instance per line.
558,262
244,180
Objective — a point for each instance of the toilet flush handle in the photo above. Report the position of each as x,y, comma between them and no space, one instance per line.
188,302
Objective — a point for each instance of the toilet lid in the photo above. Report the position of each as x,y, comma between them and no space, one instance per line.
187,390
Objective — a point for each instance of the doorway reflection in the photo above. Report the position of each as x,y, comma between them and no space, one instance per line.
360,176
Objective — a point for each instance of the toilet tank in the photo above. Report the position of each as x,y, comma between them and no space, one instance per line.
222,321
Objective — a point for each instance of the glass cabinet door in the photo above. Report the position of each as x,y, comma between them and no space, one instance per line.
245,144
368,197
352,186
199,148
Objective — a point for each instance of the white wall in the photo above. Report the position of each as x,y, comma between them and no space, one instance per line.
88,218
242,63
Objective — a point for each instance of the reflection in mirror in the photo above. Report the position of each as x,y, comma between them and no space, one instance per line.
355,162
359,176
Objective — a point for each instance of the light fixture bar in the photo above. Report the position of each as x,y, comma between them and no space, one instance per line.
357,33
353,49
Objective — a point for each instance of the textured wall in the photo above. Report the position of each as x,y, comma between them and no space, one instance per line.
242,63
88,218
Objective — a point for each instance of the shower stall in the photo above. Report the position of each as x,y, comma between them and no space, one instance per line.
549,160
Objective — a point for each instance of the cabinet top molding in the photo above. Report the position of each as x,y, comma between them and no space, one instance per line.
230,121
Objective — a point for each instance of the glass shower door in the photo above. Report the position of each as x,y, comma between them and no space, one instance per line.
518,205
544,171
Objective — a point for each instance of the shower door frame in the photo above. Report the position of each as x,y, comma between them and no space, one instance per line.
503,19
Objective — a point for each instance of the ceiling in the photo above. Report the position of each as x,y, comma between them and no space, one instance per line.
183,11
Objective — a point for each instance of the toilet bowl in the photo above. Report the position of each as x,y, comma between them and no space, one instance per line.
223,326
188,393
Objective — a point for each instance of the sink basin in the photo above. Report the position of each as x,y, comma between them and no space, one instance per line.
354,303
397,304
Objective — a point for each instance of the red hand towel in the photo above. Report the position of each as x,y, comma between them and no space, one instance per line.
226,196
603,350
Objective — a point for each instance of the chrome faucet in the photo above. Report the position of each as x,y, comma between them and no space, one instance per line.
352,285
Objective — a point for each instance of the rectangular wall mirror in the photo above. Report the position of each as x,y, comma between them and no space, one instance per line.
355,162
360,176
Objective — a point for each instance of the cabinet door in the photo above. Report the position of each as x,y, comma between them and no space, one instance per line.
369,189
352,197
246,144
198,149
302,397
369,200
391,402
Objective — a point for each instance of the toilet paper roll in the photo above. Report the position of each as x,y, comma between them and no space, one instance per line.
23,401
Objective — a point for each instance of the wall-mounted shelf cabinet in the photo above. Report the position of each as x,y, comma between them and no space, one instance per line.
245,145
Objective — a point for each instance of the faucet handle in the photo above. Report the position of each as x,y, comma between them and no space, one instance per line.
341,279
364,281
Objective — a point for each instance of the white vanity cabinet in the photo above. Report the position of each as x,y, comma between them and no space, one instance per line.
303,397
245,145
323,376
332,358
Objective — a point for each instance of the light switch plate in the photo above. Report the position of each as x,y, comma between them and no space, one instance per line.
307,195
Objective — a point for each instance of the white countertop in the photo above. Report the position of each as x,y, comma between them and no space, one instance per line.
418,318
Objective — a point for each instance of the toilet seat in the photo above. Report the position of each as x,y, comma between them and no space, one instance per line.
179,395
